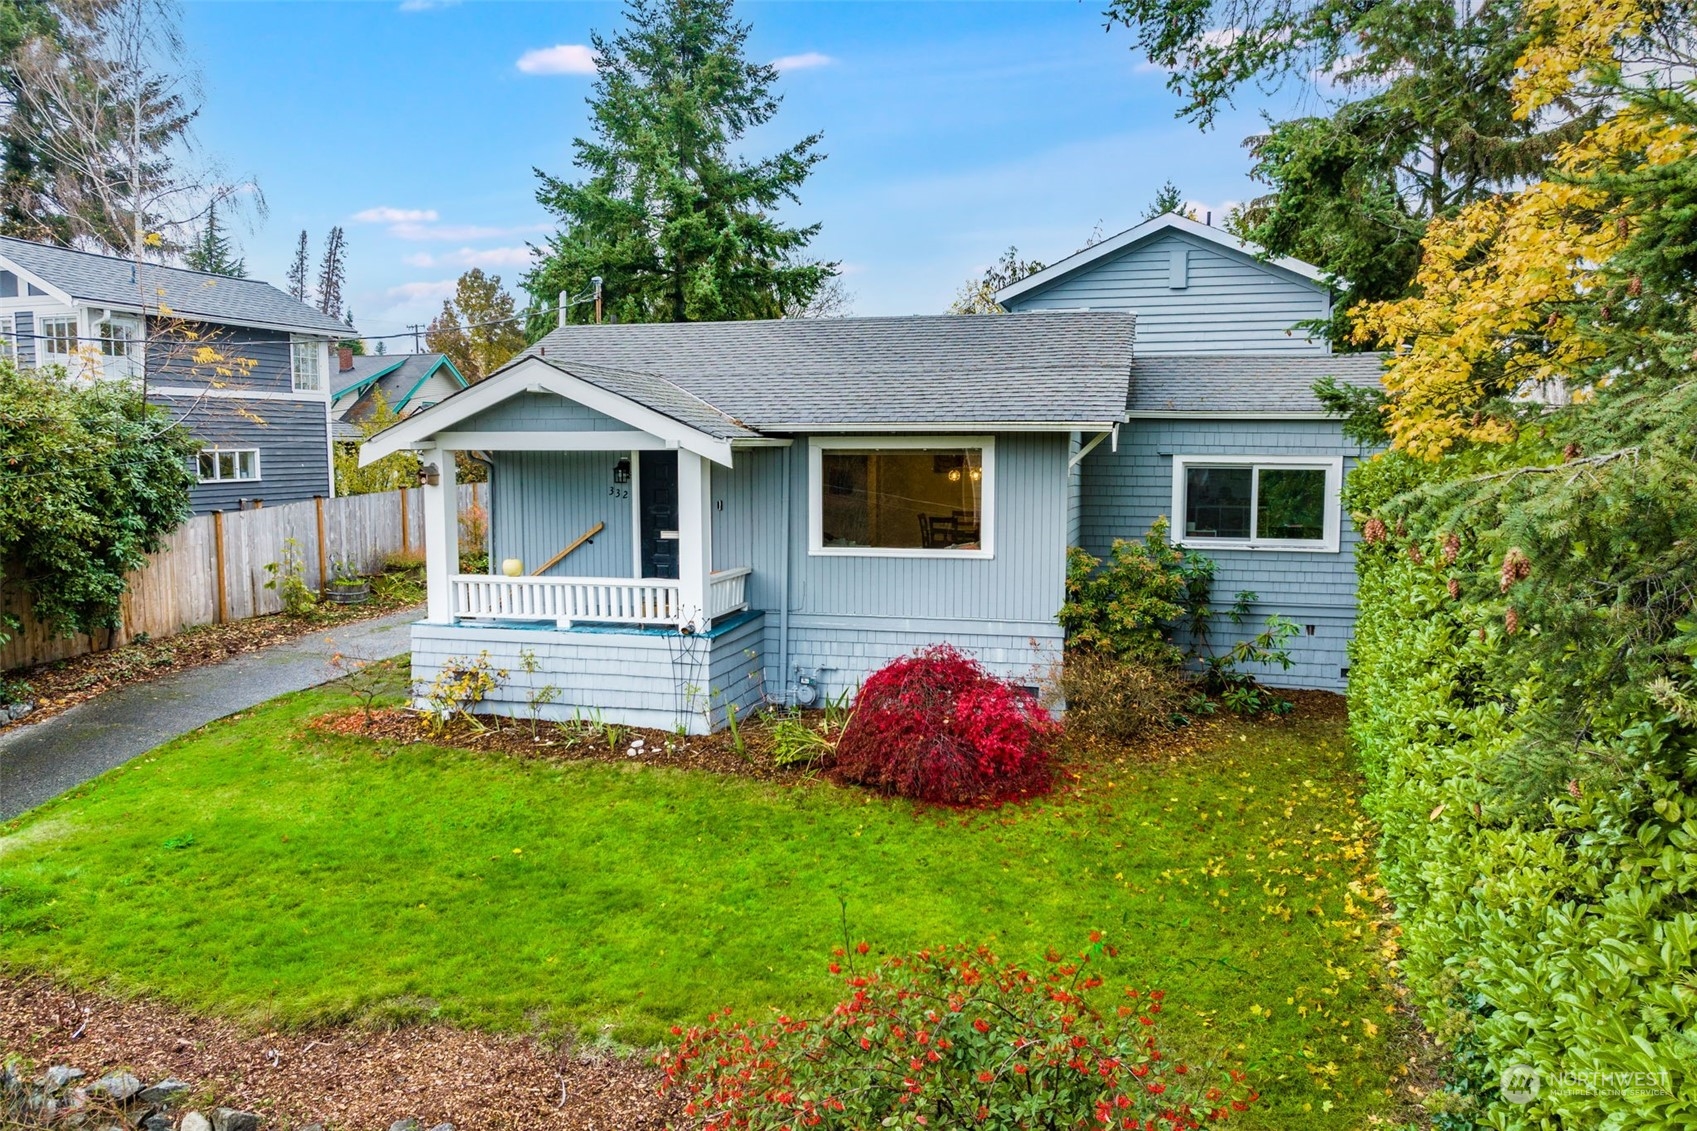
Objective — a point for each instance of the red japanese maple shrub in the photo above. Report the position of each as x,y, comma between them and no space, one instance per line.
935,726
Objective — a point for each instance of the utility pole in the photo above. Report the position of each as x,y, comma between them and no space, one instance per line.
416,331
596,283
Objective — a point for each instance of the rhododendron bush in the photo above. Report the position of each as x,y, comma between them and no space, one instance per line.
954,1038
935,726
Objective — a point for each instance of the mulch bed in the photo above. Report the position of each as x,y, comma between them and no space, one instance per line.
59,685
346,1077
714,753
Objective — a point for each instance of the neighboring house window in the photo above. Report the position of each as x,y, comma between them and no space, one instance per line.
8,344
914,496
58,340
309,377
1257,502
219,465
117,339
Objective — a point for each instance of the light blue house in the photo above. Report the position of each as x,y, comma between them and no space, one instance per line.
690,517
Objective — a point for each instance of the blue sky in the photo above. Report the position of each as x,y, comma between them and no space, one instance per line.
952,131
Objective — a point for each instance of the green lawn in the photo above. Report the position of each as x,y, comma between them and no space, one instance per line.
262,871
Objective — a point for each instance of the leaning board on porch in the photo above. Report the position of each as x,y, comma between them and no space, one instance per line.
179,585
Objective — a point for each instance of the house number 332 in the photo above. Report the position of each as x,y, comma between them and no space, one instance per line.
619,492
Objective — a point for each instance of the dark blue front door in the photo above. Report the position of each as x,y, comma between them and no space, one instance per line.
657,496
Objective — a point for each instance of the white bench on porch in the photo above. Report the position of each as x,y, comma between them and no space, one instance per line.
601,600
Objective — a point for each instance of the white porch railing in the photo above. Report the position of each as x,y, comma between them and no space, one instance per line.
605,600
614,600
727,591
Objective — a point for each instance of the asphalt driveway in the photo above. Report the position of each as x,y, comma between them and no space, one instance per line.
42,760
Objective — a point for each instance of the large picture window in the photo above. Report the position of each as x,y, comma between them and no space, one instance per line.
921,496
1263,503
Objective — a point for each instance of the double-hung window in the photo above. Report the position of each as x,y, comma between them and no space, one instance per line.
220,465
1257,502
57,337
912,496
8,342
304,361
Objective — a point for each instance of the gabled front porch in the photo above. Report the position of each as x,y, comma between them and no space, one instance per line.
601,600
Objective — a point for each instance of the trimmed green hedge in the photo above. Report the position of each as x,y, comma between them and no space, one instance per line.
1551,928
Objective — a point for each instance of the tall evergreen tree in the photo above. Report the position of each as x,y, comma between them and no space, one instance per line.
333,273
1168,198
1417,118
298,269
212,250
676,223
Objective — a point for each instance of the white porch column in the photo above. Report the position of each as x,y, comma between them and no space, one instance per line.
441,535
695,537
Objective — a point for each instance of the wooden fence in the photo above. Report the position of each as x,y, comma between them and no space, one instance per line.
212,568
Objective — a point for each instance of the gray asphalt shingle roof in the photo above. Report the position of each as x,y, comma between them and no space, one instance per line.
656,392
394,375
1271,383
105,280
1045,368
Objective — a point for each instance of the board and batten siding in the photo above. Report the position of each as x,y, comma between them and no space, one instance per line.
1125,491
291,434
542,502
1229,303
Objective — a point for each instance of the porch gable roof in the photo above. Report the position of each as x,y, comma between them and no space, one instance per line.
643,401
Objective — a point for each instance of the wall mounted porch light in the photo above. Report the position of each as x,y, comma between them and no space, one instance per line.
430,475
621,471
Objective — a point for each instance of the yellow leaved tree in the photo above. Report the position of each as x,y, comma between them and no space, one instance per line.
1500,283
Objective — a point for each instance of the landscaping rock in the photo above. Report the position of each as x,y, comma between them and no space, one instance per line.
61,1074
229,1119
165,1092
194,1121
407,1124
158,1121
311,1127
443,1127
120,1086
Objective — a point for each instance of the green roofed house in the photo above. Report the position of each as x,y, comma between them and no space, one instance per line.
406,382
691,517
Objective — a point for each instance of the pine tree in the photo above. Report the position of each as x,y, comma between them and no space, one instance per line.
212,250
298,269
1167,199
678,224
333,273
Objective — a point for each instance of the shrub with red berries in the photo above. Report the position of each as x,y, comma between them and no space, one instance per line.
935,726
954,1038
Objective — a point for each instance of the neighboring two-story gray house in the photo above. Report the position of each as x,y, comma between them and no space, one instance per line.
686,518
261,412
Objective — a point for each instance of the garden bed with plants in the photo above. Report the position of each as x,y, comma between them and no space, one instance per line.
57,686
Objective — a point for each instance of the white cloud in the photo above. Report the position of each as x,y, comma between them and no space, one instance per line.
458,233
472,257
383,214
560,59
802,62
421,292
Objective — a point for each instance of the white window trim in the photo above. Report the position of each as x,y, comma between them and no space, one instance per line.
819,445
47,356
319,352
214,450
1332,466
